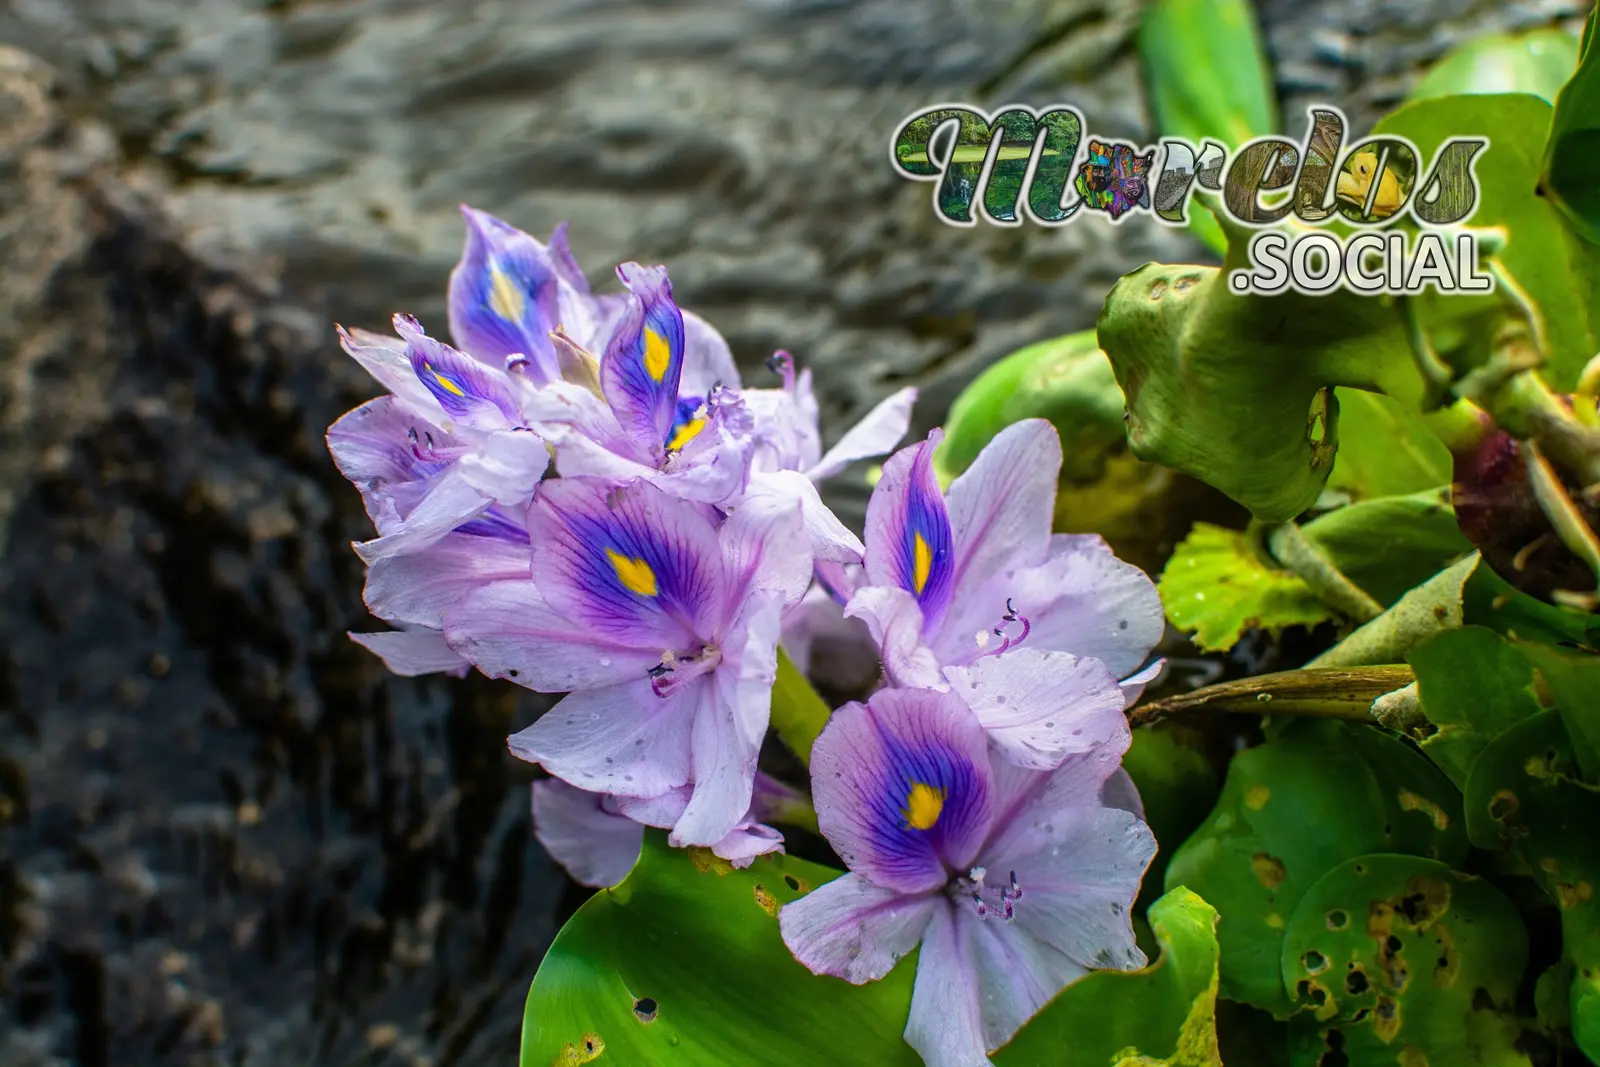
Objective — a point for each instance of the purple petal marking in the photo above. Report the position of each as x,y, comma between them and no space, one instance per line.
876,434
619,740
855,930
908,540
945,1024
465,388
629,564
412,652
902,787
643,363
504,295
507,630
584,833
386,359
1040,706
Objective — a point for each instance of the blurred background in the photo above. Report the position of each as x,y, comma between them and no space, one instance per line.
226,835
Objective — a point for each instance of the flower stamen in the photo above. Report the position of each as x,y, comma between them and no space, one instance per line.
1006,620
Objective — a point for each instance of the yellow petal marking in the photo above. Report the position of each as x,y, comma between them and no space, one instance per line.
921,564
923,806
448,385
505,299
686,433
657,354
634,574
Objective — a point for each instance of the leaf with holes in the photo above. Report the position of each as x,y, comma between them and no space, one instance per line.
1527,794
1161,1016
1320,792
1398,959
1217,586
682,964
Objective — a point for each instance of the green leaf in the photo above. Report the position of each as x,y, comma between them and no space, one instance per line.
1177,785
1392,543
1536,62
683,964
1207,77
1066,380
1570,174
1525,794
1385,449
1574,679
1396,959
1161,1016
798,712
1433,606
1559,270
1489,601
1217,586
1474,686
1320,792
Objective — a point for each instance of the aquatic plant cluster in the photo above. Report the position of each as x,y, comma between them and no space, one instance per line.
580,495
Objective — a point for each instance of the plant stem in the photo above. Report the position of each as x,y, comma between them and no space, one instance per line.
798,712
1327,692
1293,549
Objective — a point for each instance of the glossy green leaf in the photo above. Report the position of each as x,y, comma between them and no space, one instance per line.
1390,544
1573,675
1474,686
1319,793
1559,270
1526,794
1397,959
683,964
1217,586
1066,380
1207,77
1385,449
1164,1013
1538,62
1570,174
1433,606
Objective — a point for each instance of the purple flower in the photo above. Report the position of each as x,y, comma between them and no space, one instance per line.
1014,882
789,463
664,405
509,292
597,837
971,591
451,445
662,627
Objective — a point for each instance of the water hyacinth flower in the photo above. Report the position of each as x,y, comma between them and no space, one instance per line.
971,591
1013,882
660,404
450,446
597,837
661,625
509,292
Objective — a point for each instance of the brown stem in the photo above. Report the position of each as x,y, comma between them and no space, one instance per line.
1328,692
